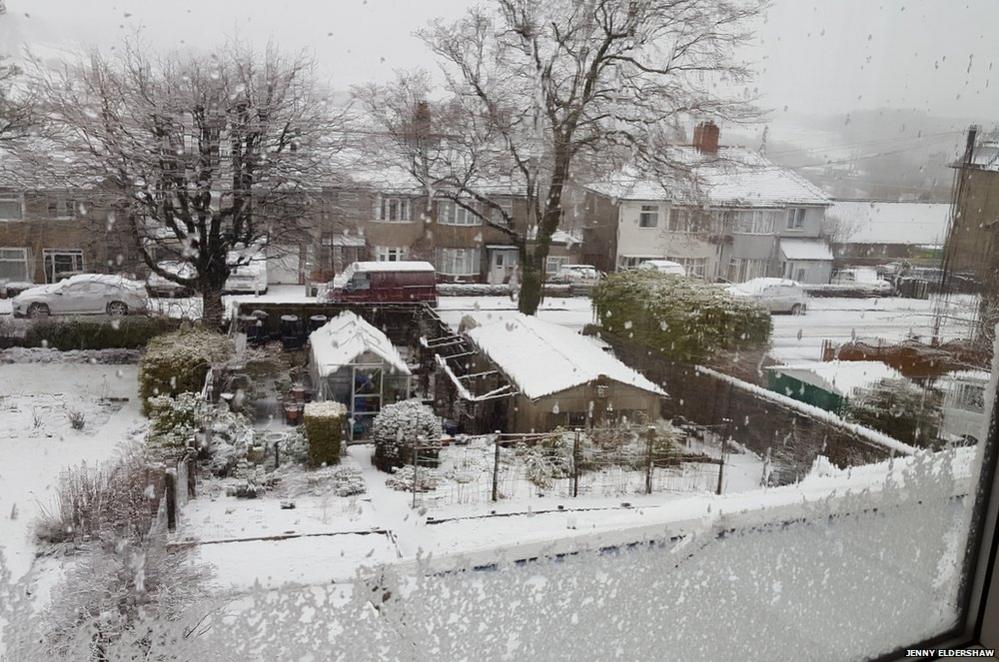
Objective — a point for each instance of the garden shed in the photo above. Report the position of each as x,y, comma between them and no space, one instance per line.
354,363
829,384
562,378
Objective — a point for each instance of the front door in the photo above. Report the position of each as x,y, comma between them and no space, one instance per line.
502,264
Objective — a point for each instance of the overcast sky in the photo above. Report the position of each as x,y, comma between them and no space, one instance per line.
830,56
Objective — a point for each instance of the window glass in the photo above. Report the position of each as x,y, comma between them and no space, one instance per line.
649,216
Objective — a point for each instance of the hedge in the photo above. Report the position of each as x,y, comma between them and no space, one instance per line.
177,362
323,423
686,320
70,334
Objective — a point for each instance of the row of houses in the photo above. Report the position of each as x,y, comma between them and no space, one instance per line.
737,217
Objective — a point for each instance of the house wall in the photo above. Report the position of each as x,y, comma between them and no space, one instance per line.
816,272
658,242
573,405
91,230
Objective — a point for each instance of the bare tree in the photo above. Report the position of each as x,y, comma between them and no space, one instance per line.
17,108
215,157
552,89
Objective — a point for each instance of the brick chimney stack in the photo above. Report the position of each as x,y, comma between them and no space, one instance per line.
706,137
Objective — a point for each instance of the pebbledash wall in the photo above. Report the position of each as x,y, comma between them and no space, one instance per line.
792,432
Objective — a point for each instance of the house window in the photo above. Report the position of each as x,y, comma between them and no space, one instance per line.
457,261
61,208
61,263
451,213
743,269
497,216
554,263
971,397
11,206
390,253
679,220
751,221
631,261
394,210
649,216
14,264
795,218
696,267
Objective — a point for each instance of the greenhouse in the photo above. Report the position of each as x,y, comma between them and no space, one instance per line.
354,363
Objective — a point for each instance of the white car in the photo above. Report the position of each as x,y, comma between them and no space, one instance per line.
778,295
663,267
251,278
84,294
577,274
861,278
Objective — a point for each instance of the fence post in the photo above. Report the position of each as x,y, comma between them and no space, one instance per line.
575,465
721,465
416,465
651,435
277,454
192,467
496,458
170,489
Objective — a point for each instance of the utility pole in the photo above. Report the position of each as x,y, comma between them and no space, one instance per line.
651,435
496,459
416,467
724,451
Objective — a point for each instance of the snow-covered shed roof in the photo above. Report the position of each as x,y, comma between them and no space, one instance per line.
735,176
541,358
910,223
841,377
805,249
347,336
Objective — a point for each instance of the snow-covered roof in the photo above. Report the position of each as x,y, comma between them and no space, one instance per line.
910,223
543,358
842,377
805,249
980,376
345,337
735,176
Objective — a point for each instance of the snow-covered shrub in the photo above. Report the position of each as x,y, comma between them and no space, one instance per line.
686,320
92,502
109,589
901,410
323,423
403,479
220,437
174,421
77,419
228,437
178,362
396,429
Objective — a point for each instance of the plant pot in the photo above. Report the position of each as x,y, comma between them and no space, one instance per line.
293,413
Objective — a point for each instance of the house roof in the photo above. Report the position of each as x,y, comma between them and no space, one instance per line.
909,223
805,249
841,377
345,337
541,358
735,176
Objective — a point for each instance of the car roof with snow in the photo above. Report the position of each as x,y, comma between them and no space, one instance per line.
404,265
758,285
542,358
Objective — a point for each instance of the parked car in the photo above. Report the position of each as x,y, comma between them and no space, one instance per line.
778,295
861,277
246,278
84,294
385,282
576,274
663,267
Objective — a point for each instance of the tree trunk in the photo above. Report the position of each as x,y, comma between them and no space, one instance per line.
532,279
212,308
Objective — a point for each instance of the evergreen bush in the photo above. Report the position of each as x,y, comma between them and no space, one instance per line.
685,319
177,362
323,423
130,332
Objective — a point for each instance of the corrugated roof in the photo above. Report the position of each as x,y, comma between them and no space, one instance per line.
543,358
735,176
909,223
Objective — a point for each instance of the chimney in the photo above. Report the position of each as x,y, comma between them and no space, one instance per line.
969,148
706,137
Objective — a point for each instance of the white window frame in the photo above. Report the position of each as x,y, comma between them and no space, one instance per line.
506,204
18,199
746,268
554,263
751,221
648,217
400,204
450,212
696,267
679,220
458,261
65,208
390,253
25,260
48,260
795,219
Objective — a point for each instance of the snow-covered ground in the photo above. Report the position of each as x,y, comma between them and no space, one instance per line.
37,441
